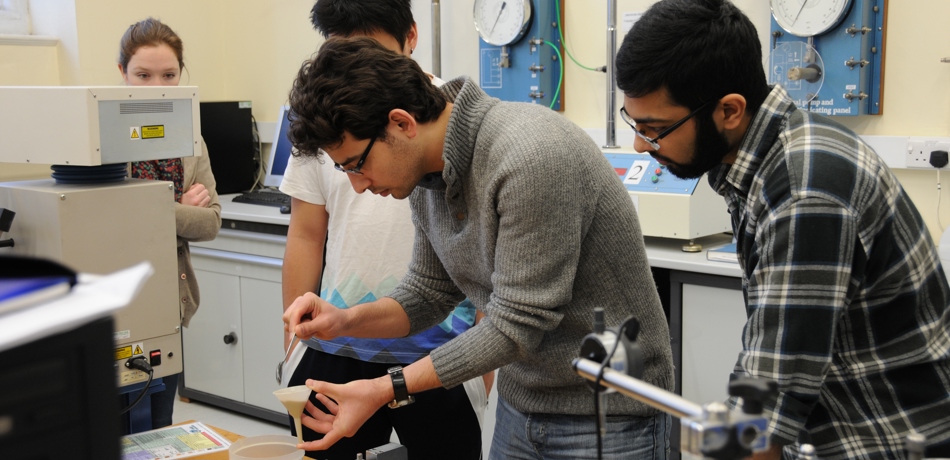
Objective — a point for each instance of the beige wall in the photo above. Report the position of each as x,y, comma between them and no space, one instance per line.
234,50
251,50
27,65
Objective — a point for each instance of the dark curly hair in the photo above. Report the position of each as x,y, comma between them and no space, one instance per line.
351,85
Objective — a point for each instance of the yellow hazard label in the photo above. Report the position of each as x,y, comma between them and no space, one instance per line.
153,132
134,133
138,350
123,353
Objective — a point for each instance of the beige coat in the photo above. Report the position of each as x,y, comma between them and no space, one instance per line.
194,224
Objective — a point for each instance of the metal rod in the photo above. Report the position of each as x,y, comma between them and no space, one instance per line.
436,39
650,395
611,83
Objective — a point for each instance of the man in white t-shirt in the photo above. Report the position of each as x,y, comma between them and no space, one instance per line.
356,248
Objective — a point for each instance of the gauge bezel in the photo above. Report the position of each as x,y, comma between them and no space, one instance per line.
783,22
526,21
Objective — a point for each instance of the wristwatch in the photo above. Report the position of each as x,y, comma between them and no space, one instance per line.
400,392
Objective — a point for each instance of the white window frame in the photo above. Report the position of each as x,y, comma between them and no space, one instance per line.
14,17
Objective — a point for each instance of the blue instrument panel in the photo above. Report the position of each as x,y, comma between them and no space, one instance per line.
641,173
527,70
836,72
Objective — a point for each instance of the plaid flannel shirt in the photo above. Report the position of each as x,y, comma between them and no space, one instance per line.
845,295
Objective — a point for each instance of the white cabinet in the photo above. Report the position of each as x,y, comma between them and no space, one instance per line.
707,313
234,342
713,319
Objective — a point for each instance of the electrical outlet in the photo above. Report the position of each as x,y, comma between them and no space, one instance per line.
919,148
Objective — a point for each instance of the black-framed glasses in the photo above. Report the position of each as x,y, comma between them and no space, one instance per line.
359,164
666,132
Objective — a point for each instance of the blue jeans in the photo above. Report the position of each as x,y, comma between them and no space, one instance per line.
571,437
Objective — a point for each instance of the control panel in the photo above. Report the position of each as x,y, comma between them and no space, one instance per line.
669,207
645,174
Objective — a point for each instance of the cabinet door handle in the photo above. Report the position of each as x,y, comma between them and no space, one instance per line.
230,338
237,258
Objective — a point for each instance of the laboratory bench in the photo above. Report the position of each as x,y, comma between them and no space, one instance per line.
233,344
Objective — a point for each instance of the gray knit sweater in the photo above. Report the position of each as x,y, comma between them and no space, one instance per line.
530,222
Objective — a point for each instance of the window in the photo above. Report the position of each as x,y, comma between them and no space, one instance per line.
14,17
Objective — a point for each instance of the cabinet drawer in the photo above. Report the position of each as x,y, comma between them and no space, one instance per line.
236,264
250,243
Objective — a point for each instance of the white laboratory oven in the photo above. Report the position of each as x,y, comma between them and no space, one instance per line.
89,216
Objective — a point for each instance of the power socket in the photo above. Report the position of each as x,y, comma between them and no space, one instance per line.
919,148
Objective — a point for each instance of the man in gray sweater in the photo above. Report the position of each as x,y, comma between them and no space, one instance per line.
516,208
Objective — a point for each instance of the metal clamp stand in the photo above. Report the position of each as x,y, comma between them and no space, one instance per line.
612,361
712,431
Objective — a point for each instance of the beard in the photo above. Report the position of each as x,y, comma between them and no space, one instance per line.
709,148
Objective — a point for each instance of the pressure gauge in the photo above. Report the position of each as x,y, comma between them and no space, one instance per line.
807,18
502,22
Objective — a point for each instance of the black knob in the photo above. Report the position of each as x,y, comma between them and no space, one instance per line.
753,392
230,338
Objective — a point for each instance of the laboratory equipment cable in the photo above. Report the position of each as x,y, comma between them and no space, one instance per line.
939,159
560,31
139,363
259,177
940,224
599,329
560,77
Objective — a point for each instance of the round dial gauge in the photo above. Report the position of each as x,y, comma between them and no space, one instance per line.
797,66
807,18
502,22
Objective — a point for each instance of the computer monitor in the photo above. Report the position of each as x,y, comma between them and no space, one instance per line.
279,151
227,129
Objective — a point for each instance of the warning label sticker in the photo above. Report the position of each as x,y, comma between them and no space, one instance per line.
134,133
129,351
153,132
123,353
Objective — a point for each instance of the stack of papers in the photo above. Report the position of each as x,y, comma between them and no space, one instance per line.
17,293
726,253
93,297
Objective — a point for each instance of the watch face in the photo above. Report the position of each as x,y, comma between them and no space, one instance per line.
806,18
502,22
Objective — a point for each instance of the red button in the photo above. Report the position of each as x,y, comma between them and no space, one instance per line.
155,357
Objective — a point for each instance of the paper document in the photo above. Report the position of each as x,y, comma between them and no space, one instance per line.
181,441
92,298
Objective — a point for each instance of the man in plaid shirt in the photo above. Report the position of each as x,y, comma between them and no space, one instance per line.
845,296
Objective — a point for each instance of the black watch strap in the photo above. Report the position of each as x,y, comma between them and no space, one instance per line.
400,392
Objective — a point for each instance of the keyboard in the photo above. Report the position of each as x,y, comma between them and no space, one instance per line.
264,197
